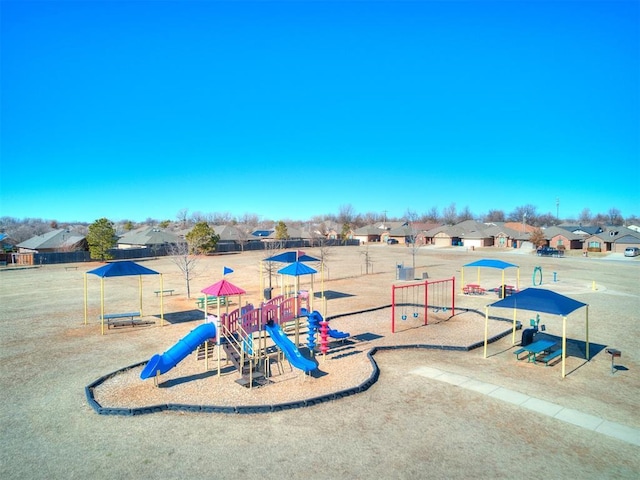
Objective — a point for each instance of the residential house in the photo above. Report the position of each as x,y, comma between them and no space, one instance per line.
613,239
564,239
376,233
60,240
153,238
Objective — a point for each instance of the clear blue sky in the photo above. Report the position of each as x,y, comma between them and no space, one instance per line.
130,110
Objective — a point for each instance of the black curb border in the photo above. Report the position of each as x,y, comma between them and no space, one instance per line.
309,402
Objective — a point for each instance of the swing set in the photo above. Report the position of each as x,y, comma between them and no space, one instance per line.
412,300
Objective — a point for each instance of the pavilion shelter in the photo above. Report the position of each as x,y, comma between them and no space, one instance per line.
491,263
546,301
121,269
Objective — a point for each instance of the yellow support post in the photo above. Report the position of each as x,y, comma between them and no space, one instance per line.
85,299
140,294
102,303
486,329
564,344
161,301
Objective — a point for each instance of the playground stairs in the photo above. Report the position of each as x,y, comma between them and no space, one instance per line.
251,376
210,352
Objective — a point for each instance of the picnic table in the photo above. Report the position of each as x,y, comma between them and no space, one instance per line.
537,347
473,289
212,301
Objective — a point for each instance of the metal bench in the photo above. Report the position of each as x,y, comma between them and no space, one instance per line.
518,352
550,356
117,319
162,292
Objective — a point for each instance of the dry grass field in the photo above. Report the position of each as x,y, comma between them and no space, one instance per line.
405,426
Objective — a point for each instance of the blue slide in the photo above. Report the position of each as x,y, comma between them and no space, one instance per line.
332,333
290,350
169,359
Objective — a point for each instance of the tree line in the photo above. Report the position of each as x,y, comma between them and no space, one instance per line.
23,229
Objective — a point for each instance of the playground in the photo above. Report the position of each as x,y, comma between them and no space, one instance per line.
423,425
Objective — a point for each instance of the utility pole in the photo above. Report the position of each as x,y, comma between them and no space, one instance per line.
558,208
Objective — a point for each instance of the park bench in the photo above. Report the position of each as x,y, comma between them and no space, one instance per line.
518,352
162,292
71,267
212,301
550,356
118,319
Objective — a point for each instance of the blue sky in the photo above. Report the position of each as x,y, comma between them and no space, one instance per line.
288,110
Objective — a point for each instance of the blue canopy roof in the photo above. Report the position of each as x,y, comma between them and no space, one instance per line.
290,257
122,269
540,300
490,263
296,269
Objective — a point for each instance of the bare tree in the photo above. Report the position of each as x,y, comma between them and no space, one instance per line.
346,214
494,216
269,267
615,217
368,260
413,243
182,216
185,261
449,215
585,217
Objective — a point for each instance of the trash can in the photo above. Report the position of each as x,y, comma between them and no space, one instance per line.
267,293
527,336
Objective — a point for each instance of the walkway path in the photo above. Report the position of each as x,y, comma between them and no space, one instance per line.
590,422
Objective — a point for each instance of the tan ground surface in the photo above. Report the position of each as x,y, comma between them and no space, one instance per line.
405,426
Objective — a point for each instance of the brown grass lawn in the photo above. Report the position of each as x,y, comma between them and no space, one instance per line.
405,426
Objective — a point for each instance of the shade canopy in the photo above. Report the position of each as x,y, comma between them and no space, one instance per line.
490,263
296,269
223,288
540,300
122,269
290,257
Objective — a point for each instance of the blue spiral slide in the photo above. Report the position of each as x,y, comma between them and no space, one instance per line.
169,359
331,332
292,352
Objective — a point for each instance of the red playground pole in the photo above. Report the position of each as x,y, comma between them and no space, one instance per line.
393,309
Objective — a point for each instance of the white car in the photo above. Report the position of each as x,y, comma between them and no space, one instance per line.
631,252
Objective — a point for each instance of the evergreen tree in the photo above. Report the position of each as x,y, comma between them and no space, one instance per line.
202,238
101,237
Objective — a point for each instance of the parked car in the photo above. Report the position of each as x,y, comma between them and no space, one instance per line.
631,252
391,241
549,252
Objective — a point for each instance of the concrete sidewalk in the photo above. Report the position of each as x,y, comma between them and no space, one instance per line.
590,422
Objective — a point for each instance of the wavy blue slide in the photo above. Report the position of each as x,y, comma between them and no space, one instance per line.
169,359
292,353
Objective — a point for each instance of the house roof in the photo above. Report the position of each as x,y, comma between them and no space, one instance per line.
613,234
149,236
551,232
582,229
60,238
